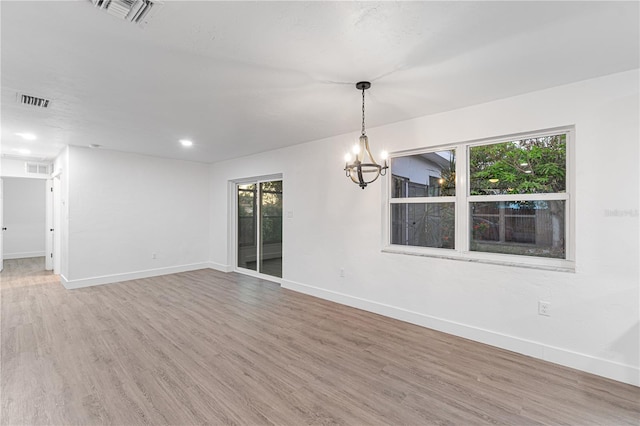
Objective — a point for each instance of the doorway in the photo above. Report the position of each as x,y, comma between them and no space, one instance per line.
30,215
24,218
259,227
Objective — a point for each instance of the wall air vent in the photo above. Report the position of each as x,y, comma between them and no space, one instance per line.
130,10
37,168
33,101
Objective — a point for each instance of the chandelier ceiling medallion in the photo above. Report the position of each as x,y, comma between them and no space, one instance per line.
364,169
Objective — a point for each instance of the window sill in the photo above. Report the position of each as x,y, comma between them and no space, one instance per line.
546,264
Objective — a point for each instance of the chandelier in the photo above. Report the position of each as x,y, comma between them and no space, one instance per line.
364,169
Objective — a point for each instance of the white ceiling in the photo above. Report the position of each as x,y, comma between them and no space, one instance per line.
244,77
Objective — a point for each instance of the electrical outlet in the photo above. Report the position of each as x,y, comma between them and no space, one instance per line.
154,256
342,272
544,308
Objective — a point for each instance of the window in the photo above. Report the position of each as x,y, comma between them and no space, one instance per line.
423,200
503,200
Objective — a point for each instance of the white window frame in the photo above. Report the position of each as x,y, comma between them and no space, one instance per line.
463,200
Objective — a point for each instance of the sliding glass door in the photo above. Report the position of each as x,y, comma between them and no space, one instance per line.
247,220
259,224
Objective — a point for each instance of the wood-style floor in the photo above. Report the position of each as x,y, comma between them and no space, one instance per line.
211,348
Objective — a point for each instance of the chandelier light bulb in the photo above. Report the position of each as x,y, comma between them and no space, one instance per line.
347,157
384,155
356,149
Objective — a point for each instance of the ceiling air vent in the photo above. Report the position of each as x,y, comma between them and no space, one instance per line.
37,168
33,101
131,10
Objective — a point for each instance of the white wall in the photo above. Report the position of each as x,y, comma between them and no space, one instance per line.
12,167
61,213
124,208
24,217
594,324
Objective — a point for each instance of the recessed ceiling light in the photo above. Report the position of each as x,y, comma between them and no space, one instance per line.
23,151
95,145
27,136
185,142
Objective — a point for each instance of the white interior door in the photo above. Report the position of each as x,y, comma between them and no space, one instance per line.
49,229
56,235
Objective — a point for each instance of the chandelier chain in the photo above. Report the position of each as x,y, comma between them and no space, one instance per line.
363,112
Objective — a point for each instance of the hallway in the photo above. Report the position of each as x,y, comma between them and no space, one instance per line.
26,272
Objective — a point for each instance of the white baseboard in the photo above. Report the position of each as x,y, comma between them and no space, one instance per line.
23,255
599,366
220,267
115,278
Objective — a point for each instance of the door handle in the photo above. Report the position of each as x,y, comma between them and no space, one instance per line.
51,229
4,229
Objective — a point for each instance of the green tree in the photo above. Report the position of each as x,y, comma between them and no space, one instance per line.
527,166
448,176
